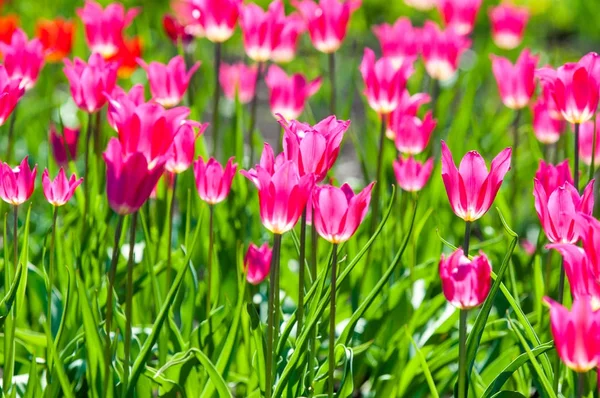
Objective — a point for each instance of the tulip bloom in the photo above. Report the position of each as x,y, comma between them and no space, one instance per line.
122,105
441,50
421,5
258,28
23,59
546,128
8,25
576,333
574,88
56,37
465,283
238,79
411,174
168,83
288,94
508,25
287,32
104,27
587,131
257,263
399,42
184,11
471,188
515,83
16,184
59,191
130,177
459,15
558,210
89,82
11,92
551,177
580,273
217,18
212,180
412,134
338,211
176,31
282,194
384,84
64,145
183,149
327,21
408,106
313,148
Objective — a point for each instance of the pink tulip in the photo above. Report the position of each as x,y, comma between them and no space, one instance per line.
327,21
268,163
399,42
122,104
217,18
168,83
130,177
16,184
408,106
411,174
587,131
64,145
176,31
465,283
580,273
588,230
104,27
338,212
23,59
258,28
576,333
421,5
184,11
59,191
546,128
515,83
314,149
183,149
412,134
384,84
551,177
558,210
212,180
10,94
286,35
508,25
574,88
282,194
441,50
471,188
257,263
89,82
238,79
288,94
459,15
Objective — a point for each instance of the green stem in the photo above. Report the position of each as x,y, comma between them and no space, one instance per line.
129,304
11,133
301,277
87,180
170,231
49,290
216,98
580,385
210,259
515,149
313,270
253,108
467,238
593,164
377,193
556,368
576,157
10,325
332,104
332,321
462,355
273,296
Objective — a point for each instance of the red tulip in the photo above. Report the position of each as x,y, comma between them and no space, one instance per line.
421,5
399,42
8,25
508,25
574,88
384,84
258,29
287,31
465,283
23,59
257,263
212,180
217,18
11,92
129,52
168,83
546,128
576,333
587,131
184,11
441,50
459,15
183,149
104,27
515,83
16,184
282,194
471,188
56,37
59,191
411,174
238,79
580,273
89,82
64,144
176,31
288,94
338,212
408,106
327,21
551,177
412,134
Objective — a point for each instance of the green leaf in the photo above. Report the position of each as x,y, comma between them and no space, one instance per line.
214,375
8,300
424,366
509,394
24,260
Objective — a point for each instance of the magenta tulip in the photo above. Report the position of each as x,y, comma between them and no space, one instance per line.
580,273
288,94
257,263
399,42
587,131
258,29
89,82
183,149
407,106
59,191
441,51
286,36
212,180
546,127
217,18
411,174
412,134
16,184
10,94
23,59
459,15
64,145
238,79
508,25
465,283
515,83
551,177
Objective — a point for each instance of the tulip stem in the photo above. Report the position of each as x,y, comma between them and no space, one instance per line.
516,143
467,238
10,325
210,259
313,271
462,355
273,296
377,193
332,321
112,272
301,261
129,303
87,179
593,163
49,290
580,385
332,82
576,157
253,108
216,98
170,231
11,132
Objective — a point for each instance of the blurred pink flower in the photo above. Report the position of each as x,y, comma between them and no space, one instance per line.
508,25
546,128
412,134
89,82
399,42
411,174
168,83
516,83
183,149
580,273
11,92
441,50
288,94
23,59
16,184
176,31
286,36
238,79
407,106
216,18
465,283
63,144
59,191
587,131
257,263
459,15
551,177
212,180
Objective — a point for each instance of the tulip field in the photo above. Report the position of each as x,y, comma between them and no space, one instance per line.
299,198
